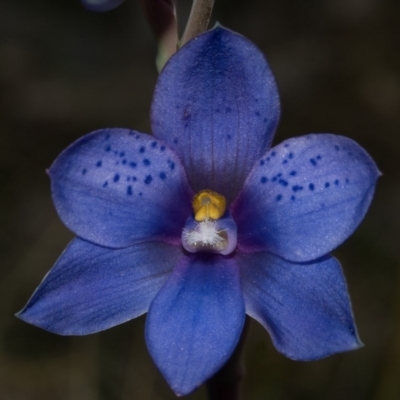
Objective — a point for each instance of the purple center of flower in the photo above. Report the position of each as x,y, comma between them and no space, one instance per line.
211,228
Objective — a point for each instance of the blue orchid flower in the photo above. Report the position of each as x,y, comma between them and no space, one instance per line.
204,223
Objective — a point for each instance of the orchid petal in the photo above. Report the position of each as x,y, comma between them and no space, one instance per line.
216,104
195,321
92,288
101,5
115,187
304,307
305,197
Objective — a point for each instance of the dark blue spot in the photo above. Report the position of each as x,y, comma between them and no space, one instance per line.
276,177
153,144
279,197
148,179
313,162
296,188
162,176
337,148
228,136
262,162
129,190
311,186
293,198
137,136
124,161
140,193
337,182
98,164
273,154
142,149
319,157
347,181
162,148
105,184
284,162
327,184
217,110
257,113
267,158
132,164
84,171
286,145
265,120
108,148
107,136
122,154
146,162
116,178
131,133
115,152
172,165
283,182
228,109
292,173
134,178
176,141
264,179
290,155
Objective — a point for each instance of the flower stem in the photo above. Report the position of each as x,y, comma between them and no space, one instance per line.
226,384
198,19
161,16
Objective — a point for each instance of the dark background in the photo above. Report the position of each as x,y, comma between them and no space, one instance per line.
65,71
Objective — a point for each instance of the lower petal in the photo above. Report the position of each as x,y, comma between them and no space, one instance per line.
92,288
194,323
304,307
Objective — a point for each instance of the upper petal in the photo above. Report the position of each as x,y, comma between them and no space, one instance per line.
305,197
304,307
195,321
216,103
92,288
114,187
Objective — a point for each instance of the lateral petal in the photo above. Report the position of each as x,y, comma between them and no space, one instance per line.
305,197
304,307
115,187
92,288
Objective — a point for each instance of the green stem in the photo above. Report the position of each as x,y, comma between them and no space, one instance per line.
226,384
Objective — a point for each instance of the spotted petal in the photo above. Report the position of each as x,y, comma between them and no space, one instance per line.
101,5
304,307
115,187
216,103
92,288
195,321
305,197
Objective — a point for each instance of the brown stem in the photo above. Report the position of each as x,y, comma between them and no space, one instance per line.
198,19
